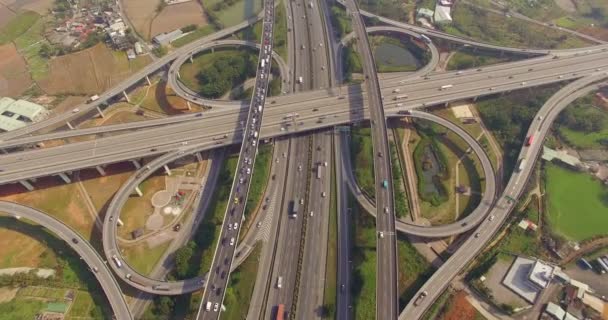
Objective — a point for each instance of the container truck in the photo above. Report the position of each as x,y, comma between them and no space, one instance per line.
280,312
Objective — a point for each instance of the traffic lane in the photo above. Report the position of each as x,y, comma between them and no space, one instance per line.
88,254
440,279
314,95
10,176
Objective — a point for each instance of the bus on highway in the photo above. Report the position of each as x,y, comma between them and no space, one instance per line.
280,312
117,261
319,171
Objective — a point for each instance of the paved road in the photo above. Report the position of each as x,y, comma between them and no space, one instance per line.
429,67
386,246
343,211
445,230
333,110
214,293
503,206
84,249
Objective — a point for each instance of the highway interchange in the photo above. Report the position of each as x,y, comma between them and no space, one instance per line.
189,134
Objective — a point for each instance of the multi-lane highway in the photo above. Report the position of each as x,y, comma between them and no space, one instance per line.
331,109
386,245
215,290
84,249
540,126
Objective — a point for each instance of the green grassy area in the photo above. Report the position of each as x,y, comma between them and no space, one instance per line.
143,258
420,54
85,306
259,181
361,153
434,190
227,13
203,75
240,287
29,44
254,32
351,62
428,4
464,60
577,204
414,270
331,263
582,125
194,35
17,26
401,200
363,281
489,27
340,21
19,309
393,9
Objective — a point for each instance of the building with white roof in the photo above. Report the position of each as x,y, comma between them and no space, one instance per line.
19,113
166,38
555,311
541,274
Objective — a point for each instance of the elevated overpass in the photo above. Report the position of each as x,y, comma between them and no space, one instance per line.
485,231
82,247
337,106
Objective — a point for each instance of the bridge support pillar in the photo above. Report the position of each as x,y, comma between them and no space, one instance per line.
212,49
189,105
136,164
100,112
26,184
138,192
69,125
191,60
447,104
65,177
199,157
179,76
148,80
474,98
101,170
167,170
124,93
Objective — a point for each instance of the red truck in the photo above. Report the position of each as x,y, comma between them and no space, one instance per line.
280,312
529,141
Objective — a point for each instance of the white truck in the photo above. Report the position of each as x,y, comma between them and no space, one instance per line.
447,86
117,261
280,282
522,164
263,63
93,98
300,79
310,5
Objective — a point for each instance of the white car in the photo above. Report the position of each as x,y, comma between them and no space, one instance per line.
231,241
323,194
76,110
381,234
311,213
216,307
236,225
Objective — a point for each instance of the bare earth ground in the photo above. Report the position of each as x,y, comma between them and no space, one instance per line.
40,6
14,76
89,71
50,197
177,16
5,14
18,249
140,13
7,294
501,293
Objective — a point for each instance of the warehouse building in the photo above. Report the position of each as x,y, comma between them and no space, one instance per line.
15,114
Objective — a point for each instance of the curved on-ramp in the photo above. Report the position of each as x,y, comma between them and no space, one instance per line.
82,247
429,67
463,225
539,127
186,93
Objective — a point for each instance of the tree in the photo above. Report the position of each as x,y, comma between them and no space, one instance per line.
46,51
182,259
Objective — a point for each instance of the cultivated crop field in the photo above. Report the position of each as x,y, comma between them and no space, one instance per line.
14,77
176,16
578,204
89,71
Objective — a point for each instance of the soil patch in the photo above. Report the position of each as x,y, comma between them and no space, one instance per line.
14,76
7,294
140,13
177,16
89,71
40,6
